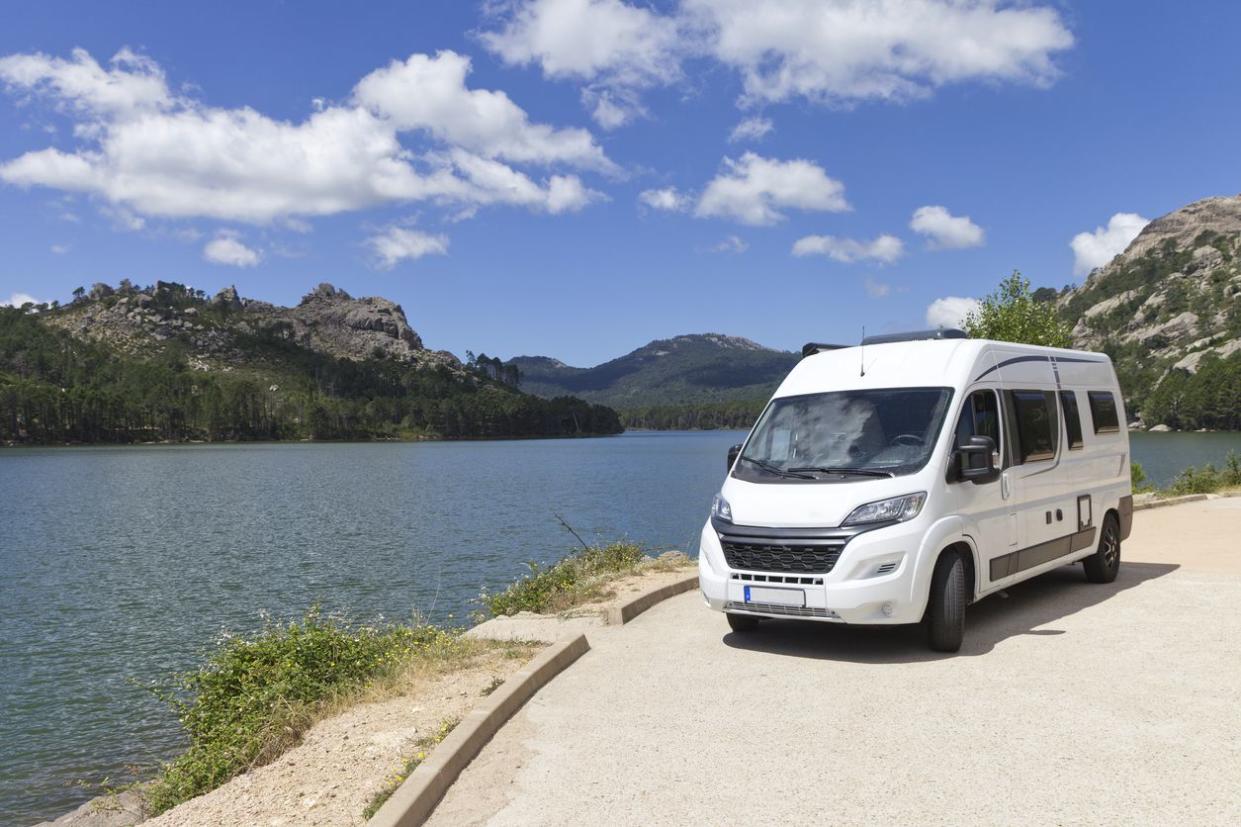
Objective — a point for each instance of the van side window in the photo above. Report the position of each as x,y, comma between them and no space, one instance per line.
1036,435
1103,412
980,416
1072,419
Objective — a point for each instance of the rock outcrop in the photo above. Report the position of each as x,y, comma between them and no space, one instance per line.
1172,298
327,320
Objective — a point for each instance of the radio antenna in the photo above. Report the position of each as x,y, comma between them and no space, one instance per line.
861,353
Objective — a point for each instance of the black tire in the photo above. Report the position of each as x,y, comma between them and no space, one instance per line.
742,623
1104,564
945,610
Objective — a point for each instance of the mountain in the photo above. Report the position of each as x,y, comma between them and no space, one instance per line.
1168,312
168,363
699,380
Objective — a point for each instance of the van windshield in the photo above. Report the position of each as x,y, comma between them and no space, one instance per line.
844,436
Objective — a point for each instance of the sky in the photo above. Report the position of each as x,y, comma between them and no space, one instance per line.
574,178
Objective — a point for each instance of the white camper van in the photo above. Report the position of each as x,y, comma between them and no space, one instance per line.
898,481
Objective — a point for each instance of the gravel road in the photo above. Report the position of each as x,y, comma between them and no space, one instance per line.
1070,703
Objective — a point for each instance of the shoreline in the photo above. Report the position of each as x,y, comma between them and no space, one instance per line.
125,806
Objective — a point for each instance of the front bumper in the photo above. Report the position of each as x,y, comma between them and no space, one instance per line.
872,582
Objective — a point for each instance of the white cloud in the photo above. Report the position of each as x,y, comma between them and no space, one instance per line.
876,289
950,311
754,190
395,244
844,51
884,249
132,83
227,248
18,299
668,198
146,152
615,47
731,244
59,249
945,231
430,93
751,129
1091,250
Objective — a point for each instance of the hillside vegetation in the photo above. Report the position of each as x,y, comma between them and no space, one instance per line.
165,363
1168,312
693,381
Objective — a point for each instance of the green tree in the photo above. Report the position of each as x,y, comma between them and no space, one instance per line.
1012,314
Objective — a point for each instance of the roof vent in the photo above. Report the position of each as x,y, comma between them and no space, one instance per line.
915,336
811,348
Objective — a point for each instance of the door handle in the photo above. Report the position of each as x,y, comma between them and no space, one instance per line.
1004,488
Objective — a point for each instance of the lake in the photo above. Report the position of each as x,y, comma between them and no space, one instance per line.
123,565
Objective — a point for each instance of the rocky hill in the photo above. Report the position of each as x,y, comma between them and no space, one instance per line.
1167,308
694,369
327,320
167,363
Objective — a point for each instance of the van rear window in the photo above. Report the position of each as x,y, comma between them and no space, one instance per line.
1036,425
1103,412
1072,419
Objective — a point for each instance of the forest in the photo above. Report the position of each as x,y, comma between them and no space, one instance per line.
55,388
705,416
1209,398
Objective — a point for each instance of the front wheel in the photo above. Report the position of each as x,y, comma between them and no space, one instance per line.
945,610
742,623
1104,564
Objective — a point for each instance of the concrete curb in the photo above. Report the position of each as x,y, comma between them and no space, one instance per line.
618,615
415,800
1187,498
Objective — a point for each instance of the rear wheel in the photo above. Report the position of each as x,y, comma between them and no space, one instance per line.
742,623
945,611
1104,564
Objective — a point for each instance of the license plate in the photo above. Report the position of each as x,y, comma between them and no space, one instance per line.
778,597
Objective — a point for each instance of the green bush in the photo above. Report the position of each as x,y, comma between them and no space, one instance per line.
1137,474
256,696
1208,478
575,579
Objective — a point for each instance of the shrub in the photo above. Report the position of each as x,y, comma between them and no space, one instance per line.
1208,478
1137,474
256,696
576,579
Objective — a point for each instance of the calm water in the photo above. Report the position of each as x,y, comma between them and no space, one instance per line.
121,565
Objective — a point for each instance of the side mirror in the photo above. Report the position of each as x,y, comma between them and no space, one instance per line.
732,456
975,461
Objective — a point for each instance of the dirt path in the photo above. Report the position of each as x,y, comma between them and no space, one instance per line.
1070,703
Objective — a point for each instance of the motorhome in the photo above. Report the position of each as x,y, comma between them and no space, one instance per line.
897,481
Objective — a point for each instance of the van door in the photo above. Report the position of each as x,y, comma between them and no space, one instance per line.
988,508
1048,515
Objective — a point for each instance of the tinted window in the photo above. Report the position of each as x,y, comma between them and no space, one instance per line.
980,416
1103,412
1034,412
1072,419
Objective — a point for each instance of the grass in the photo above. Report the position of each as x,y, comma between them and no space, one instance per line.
1206,479
256,696
582,577
424,747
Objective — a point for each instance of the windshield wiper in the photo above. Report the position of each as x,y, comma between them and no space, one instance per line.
775,469
860,472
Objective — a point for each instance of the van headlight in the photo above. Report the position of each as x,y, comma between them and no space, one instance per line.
895,510
720,508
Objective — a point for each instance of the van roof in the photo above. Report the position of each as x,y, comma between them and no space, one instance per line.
950,362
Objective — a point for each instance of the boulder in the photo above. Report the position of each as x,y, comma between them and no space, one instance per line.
1159,429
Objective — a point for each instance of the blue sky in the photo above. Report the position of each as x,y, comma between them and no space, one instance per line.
557,177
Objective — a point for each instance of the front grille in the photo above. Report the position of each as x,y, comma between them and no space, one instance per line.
777,609
817,557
